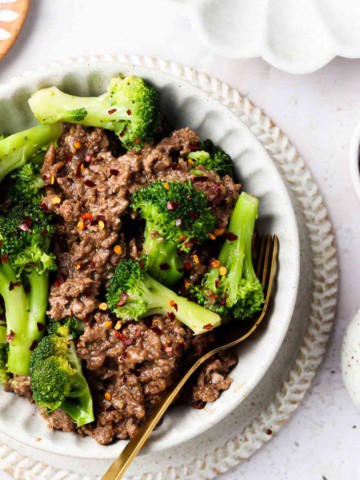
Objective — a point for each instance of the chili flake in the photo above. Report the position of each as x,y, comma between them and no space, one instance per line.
10,336
81,225
172,205
89,183
103,306
78,266
111,111
219,231
87,216
173,304
208,327
231,236
118,250
215,264
108,324
212,236
107,396
166,186
33,345
4,258
118,325
222,271
171,315
77,144
56,200
196,259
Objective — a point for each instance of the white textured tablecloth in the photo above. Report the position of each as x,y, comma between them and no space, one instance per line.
318,112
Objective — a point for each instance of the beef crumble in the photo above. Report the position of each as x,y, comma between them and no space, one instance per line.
129,366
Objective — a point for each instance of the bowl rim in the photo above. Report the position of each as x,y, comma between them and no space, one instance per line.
354,160
75,63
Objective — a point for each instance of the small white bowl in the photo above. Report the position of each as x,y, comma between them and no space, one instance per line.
350,359
354,160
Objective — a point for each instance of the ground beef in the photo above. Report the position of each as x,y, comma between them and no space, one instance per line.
20,385
129,367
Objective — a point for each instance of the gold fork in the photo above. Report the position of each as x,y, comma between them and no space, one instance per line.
231,334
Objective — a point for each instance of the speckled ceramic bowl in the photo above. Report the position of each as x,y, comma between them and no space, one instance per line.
184,104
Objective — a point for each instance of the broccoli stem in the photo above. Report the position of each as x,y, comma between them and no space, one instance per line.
38,301
16,149
163,253
16,308
52,105
160,299
235,255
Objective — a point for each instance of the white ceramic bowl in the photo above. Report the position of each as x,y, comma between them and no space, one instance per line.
354,157
350,359
184,104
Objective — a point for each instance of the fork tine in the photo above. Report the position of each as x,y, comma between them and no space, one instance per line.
260,255
271,268
266,261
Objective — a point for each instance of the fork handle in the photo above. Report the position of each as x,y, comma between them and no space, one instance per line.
124,460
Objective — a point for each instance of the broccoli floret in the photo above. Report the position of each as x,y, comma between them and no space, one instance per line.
25,184
235,289
57,379
69,324
4,376
17,149
133,295
130,108
25,262
213,158
176,215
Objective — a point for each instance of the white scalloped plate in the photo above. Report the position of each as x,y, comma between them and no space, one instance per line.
259,415
292,35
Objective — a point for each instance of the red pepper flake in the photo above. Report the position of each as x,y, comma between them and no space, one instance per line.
87,216
231,236
12,285
142,265
217,282
111,111
122,300
10,336
164,266
194,148
40,326
171,315
4,258
24,227
84,319
187,244
33,345
89,183
173,304
187,266
114,172
128,111
208,327
178,222
193,215
126,341
137,332
43,207
156,330
45,177
189,198
137,140
69,158
44,232
172,205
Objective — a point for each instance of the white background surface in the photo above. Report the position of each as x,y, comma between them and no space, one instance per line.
318,112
